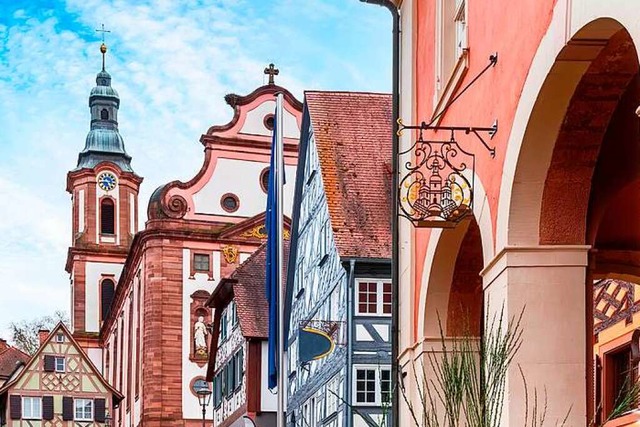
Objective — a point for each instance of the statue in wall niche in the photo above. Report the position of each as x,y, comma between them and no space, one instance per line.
200,337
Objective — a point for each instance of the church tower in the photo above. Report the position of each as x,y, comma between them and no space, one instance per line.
104,193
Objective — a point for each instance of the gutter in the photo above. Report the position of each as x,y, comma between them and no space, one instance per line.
395,139
349,373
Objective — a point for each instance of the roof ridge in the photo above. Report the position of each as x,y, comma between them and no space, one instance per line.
347,92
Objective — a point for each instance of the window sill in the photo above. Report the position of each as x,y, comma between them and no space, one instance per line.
626,420
453,82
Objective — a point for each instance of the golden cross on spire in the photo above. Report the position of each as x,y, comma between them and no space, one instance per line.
271,71
103,47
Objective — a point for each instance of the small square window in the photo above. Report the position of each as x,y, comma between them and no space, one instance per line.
83,409
60,364
59,338
32,408
201,262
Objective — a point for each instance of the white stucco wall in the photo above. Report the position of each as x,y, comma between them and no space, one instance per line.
254,124
95,355
242,178
268,400
93,274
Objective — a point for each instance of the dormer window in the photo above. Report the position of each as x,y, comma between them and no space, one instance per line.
104,114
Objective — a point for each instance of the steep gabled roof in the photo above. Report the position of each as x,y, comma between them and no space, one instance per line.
117,396
10,359
245,286
352,131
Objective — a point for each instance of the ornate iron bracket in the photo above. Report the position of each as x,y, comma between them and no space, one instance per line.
436,187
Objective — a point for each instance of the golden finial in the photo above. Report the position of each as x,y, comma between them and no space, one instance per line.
103,47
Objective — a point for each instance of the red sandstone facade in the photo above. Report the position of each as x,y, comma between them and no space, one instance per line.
197,233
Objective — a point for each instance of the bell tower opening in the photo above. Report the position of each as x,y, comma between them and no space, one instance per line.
107,217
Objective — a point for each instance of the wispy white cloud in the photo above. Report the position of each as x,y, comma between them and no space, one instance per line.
172,63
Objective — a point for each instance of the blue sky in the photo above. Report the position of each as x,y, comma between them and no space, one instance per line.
172,62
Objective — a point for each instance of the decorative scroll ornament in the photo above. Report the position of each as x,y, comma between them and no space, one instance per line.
437,178
260,232
230,254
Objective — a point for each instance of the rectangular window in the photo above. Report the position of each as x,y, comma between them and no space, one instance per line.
83,409
461,28
385,386
223,326
239,364
32,408
59,338
372,385
365,386
201,263
60,364
333,395
374,297
620,376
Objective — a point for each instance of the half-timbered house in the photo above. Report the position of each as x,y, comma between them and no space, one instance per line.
339,269
239,348
58,387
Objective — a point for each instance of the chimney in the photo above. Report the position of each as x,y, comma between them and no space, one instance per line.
43,334
3,345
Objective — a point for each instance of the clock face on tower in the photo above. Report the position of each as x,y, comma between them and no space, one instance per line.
107,181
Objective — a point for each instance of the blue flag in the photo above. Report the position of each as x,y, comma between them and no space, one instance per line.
271,276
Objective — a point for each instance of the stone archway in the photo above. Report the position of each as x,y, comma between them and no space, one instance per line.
552,204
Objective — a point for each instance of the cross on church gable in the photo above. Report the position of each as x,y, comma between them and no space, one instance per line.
271,71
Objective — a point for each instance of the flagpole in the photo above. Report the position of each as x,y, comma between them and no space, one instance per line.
279,205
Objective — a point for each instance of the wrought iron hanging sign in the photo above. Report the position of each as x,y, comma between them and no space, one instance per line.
436,180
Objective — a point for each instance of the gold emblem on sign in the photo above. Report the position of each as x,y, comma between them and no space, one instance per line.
260,232
230,254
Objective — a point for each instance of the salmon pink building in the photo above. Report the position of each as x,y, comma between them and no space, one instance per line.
139,297
555,202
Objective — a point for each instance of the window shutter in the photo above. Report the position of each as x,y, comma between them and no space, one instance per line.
49,363
223,391
232,375
99,406
240,365
67,408
15,407
47,407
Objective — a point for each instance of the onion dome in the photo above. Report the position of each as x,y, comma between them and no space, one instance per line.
104,142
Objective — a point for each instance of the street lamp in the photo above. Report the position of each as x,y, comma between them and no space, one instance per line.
248,421
204,397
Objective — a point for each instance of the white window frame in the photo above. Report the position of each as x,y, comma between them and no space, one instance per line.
31,408
377,382
379,297
80,404
59,338
60,364
447,80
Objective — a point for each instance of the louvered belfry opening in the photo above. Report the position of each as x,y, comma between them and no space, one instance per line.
107,217
106,297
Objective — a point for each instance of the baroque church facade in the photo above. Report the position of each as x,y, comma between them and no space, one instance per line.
139,297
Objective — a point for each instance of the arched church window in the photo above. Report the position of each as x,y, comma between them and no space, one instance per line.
106,297
104,114
107,217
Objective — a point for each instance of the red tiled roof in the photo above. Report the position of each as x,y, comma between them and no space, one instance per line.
249,293
9,359
353,134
